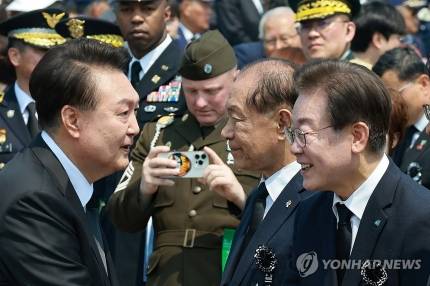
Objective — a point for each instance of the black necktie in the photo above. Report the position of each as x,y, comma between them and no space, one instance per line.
343,237
93,218
32,124
258,211
136,68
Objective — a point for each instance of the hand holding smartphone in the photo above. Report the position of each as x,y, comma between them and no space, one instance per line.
191,164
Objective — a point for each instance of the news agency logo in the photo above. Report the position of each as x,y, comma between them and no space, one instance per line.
307,264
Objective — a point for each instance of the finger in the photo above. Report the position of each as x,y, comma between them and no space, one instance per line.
214,174
160,173
162,163
161,182
157,150
213,157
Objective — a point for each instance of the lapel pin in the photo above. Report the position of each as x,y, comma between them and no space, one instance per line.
421,145
10,113
377,222
288,204
164,67
156,78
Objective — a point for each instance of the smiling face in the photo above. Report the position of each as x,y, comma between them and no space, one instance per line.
256,140
106,133
327,158
143,24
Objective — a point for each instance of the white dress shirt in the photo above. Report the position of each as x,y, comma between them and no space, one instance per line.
276,183
83,188
149,59
420,125
188,35
23,100
357,202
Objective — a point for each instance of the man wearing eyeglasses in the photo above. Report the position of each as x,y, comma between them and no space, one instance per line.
369,219
260,108
325,27
403,70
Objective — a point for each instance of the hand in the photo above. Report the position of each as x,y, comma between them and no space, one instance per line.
155,170
221,179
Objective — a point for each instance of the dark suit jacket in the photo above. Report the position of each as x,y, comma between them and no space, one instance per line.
395,225
238,19
275,231
180,39
247,53
17,136
44,235
416,160
164,69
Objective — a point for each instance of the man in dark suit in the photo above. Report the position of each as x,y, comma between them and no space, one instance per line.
26,46
155,57
49,235
402,69
370,225
264,116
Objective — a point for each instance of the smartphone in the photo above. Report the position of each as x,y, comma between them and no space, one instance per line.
191,164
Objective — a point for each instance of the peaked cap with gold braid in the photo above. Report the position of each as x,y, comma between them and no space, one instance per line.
103,31
320,9
35,28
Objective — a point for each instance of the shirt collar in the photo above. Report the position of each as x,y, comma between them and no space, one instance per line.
22,97
357,202
149,59
421,123
82,187
188,35
276,183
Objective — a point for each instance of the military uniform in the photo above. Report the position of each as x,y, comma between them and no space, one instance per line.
189,219
160,86
14,135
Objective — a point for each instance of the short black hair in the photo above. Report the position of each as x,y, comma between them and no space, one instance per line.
64,77
404,61
376,17
353,94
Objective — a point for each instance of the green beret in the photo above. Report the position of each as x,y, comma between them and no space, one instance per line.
207,57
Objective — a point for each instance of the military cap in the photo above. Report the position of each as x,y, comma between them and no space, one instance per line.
103,31
29,5
35,28
320,9
207,57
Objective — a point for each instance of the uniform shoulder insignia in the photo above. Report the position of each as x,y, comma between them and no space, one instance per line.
162,122
1,96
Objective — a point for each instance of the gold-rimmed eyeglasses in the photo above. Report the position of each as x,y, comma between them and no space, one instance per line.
299,136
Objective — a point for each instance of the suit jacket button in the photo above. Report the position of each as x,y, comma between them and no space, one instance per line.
197,189
192,213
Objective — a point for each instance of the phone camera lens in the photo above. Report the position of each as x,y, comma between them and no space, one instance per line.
200,162
197,156
203,156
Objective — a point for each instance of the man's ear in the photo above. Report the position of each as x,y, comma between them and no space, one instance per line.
70,118
167,13
350,31
360,135
283,118
14,56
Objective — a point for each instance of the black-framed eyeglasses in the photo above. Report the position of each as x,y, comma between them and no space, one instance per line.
299,136
426,108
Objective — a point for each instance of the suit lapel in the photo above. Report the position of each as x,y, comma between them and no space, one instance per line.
412,154
157,74
16,122
374,218
275,218
54,167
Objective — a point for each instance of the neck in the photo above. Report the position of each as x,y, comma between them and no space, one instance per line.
23,84
139,52
288,158
364,167
369,56
187,24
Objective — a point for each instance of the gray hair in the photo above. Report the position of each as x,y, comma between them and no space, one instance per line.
283,11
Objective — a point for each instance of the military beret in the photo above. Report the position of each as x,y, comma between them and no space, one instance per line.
207,57
103,31
35,28
320,9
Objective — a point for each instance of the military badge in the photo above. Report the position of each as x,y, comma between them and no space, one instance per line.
171,109
155,79
1,96
10,113
150,108
207,68
421,145
2,135
164,68
163,122
76,28
373,273
414,171
53,19
167,93
266,262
